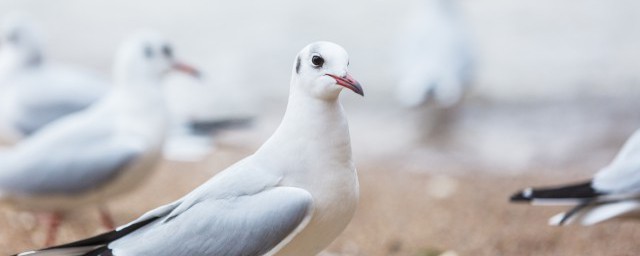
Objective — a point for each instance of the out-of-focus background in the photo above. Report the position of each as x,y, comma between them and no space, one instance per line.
554,93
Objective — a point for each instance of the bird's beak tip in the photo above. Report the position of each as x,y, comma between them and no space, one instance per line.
350,83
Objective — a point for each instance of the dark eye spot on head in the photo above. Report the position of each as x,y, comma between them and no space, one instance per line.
167,51
317,61
298,65
148,52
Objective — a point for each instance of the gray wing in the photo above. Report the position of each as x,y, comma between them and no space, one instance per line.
52,94
244,225
71,162
35,116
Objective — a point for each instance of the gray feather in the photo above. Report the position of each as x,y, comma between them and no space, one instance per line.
65,163
245,225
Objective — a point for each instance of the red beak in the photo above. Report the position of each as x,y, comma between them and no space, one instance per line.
348,82
187,69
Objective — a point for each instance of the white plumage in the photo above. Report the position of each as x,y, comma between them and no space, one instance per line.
34,91
93,155
293,196
434,58
613,192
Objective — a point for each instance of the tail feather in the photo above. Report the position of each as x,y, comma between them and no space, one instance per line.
59,252
101,251
571,194
588,215
608,211
571,213
96,245
557,220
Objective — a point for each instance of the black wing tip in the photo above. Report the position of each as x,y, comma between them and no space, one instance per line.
212,126
522,196
101,251
583,190
99,242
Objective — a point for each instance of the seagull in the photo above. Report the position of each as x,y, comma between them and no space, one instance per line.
200,110
434,57
293,196
613,192
106,150
192,140
33,91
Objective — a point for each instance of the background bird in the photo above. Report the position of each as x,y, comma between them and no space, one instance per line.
613,192
33,90
434,55
292,197
191,140
434,62
93,155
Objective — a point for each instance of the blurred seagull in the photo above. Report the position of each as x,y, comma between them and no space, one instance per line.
292,197
106,150
434,57
192,140
33,91
613,192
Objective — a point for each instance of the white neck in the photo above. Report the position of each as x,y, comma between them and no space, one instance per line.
312,130
141,109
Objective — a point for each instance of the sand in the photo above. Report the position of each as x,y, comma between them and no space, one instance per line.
400,213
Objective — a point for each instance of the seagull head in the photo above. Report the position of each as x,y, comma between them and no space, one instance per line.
148,57
19,42
321,69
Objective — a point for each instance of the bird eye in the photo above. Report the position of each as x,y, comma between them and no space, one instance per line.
317,61
167,51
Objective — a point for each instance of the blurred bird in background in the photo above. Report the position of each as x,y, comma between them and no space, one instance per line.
613,192
89,157
434,56
192,138
33,90
294,196
435,63
199,113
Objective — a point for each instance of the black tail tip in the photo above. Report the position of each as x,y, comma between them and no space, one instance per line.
522,196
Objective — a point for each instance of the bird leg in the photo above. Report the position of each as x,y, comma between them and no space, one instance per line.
105,217
53,222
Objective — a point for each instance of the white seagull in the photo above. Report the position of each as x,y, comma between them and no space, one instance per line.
91,156
613,192
193,140
33,91
293,196
434,57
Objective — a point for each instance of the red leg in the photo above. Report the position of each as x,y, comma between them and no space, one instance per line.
105,217
53,222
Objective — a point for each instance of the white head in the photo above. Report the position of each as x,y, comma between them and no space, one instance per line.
321,70
20,45
145,58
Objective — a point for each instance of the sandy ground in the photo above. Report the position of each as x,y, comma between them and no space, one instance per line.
400,213
423,194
